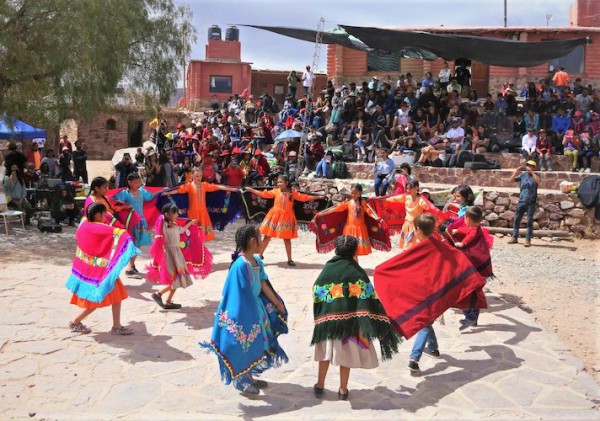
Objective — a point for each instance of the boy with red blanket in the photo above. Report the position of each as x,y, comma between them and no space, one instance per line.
473,241
418,285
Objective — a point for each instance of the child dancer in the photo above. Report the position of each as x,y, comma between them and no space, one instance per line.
249,318
280,222
415,206
355,224
169,266
471,239
196,191
102,252
135,196
98,190
348,318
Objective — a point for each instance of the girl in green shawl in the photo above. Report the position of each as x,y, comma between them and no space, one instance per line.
348,317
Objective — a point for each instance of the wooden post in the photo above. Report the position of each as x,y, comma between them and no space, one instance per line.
536,233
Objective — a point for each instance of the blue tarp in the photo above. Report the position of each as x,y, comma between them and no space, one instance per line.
14,129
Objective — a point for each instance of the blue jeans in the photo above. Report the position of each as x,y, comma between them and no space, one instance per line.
381,185
425,337
323,168
471,314
521,209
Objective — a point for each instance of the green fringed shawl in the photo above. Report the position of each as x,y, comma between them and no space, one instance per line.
346,305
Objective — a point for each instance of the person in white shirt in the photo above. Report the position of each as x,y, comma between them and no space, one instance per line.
444,76
308,78
528,145
455,135
402,116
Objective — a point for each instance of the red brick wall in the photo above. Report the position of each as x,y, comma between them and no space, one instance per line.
220,49
199,73
587,13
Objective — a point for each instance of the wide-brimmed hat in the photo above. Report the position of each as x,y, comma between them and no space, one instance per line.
531,164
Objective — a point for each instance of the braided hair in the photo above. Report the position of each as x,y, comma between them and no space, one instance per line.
345,246
359,188
93,210
97,182
242,239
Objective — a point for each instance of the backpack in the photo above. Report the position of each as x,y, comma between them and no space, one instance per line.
340,169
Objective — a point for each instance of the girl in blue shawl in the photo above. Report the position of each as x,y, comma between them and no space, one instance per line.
249,319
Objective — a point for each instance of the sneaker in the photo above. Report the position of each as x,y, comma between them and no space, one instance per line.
467,324
123,331
158,300
413,366
581,170
79,328
588,170
433,353
513,240
172,306
247,389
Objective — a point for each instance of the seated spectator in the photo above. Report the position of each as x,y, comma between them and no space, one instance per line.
594,126
482,140
561,122
63,206
578,123
260,165
519,127
382,169
544,150
588,149
314,153
528,146
454,136
363,141
292,169
30,175
571,148
532,120
233,174
325,166
16,192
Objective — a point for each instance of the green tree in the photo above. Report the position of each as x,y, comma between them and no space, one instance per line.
59,57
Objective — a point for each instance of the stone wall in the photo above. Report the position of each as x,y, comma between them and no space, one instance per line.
555,211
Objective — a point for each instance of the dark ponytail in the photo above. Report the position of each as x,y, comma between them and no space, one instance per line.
242,238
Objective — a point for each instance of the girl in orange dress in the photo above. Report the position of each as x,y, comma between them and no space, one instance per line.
196,191
102,252
415,205
280,221
355,226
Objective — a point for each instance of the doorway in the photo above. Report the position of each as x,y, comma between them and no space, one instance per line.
480,78
135,129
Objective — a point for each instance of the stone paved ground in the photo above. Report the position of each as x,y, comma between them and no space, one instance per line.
507,368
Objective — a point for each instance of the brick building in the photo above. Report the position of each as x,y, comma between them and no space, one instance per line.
123,127
345,64
223,73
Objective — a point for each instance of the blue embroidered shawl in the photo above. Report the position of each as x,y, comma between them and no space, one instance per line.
237,337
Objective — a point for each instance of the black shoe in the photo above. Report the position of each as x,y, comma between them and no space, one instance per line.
158,299
467,323
414,366
432,353
318,391
343,396
291,263
172,306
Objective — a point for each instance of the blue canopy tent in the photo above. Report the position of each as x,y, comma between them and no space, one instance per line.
14,129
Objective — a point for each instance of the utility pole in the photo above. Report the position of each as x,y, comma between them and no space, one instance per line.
505,14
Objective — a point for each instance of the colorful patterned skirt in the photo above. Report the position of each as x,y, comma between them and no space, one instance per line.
279,224
116,296
359,231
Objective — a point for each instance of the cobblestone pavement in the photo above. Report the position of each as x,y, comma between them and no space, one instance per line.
506,368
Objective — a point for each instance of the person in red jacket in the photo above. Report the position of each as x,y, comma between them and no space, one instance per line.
261,165
544,149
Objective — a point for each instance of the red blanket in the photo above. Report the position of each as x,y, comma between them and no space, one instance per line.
478,250
418,285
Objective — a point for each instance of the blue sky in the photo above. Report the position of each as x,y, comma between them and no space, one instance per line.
270,51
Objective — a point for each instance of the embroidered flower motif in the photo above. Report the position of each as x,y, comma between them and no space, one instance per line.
321,292
369,290
355,290
182,244
336,291
245,340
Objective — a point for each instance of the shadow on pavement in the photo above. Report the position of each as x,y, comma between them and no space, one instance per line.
135,291
520,330
141,346
505,302
198,318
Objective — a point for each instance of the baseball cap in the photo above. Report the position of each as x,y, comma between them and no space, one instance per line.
532,164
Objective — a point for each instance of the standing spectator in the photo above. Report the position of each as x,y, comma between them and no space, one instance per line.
463,75
65,143
80,162
14,157
561,80
34,156
444,76
292,80
64,162
308,78
125,167
139,156
52,162
528,182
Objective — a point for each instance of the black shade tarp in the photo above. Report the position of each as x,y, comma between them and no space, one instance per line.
429,46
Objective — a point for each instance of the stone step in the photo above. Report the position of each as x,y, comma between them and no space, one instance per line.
514,160
453,176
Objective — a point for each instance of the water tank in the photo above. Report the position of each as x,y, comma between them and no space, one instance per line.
232,34
214,32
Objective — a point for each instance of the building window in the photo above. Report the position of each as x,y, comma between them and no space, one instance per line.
572,62
383,62
111,124
220,85
278,89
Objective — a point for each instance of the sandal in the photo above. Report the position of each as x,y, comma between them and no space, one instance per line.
79,328
343,396
172,306
123,331
318,391
291,263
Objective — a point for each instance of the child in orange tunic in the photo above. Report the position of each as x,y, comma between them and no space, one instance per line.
415,206
355,222
280,221
196,190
